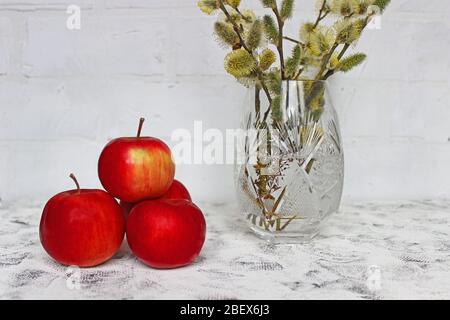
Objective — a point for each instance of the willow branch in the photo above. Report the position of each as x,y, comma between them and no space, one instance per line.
320,17
341,54
237,30
280,39
294,41
344,50
325,60
299,73
239,12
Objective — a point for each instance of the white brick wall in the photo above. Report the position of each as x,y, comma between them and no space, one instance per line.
64,93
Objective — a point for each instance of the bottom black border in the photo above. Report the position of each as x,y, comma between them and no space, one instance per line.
245,309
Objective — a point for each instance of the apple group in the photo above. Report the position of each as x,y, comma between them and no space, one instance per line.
164,229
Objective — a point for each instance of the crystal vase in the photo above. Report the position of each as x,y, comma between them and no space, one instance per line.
290,166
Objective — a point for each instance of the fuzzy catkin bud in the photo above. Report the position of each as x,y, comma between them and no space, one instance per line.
363,6
254,35
381,4
305,31
266,59
343,7
233,3
318,43
276,109
269,3
208,6
287,8
239,63
225,33
351,62
273,82
293,62
270,29
248,16
349,31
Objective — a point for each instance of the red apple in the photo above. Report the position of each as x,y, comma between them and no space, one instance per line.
166,233
137,168
176,191
126,207
82,227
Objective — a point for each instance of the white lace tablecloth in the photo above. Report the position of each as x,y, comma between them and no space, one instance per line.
367,251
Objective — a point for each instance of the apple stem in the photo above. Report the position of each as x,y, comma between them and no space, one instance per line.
72,176
141,123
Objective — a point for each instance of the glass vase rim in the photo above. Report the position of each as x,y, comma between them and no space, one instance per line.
304,80
326,83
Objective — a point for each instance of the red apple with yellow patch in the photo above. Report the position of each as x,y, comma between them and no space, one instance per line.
136,168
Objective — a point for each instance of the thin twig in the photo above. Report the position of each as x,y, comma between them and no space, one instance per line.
299,73
280,39
239,12
325,60
266,114
277,203
341,54
287,223
294,41
264,211
320,17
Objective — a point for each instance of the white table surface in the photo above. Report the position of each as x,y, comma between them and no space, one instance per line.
367,251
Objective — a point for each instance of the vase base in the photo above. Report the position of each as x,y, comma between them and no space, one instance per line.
285,237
